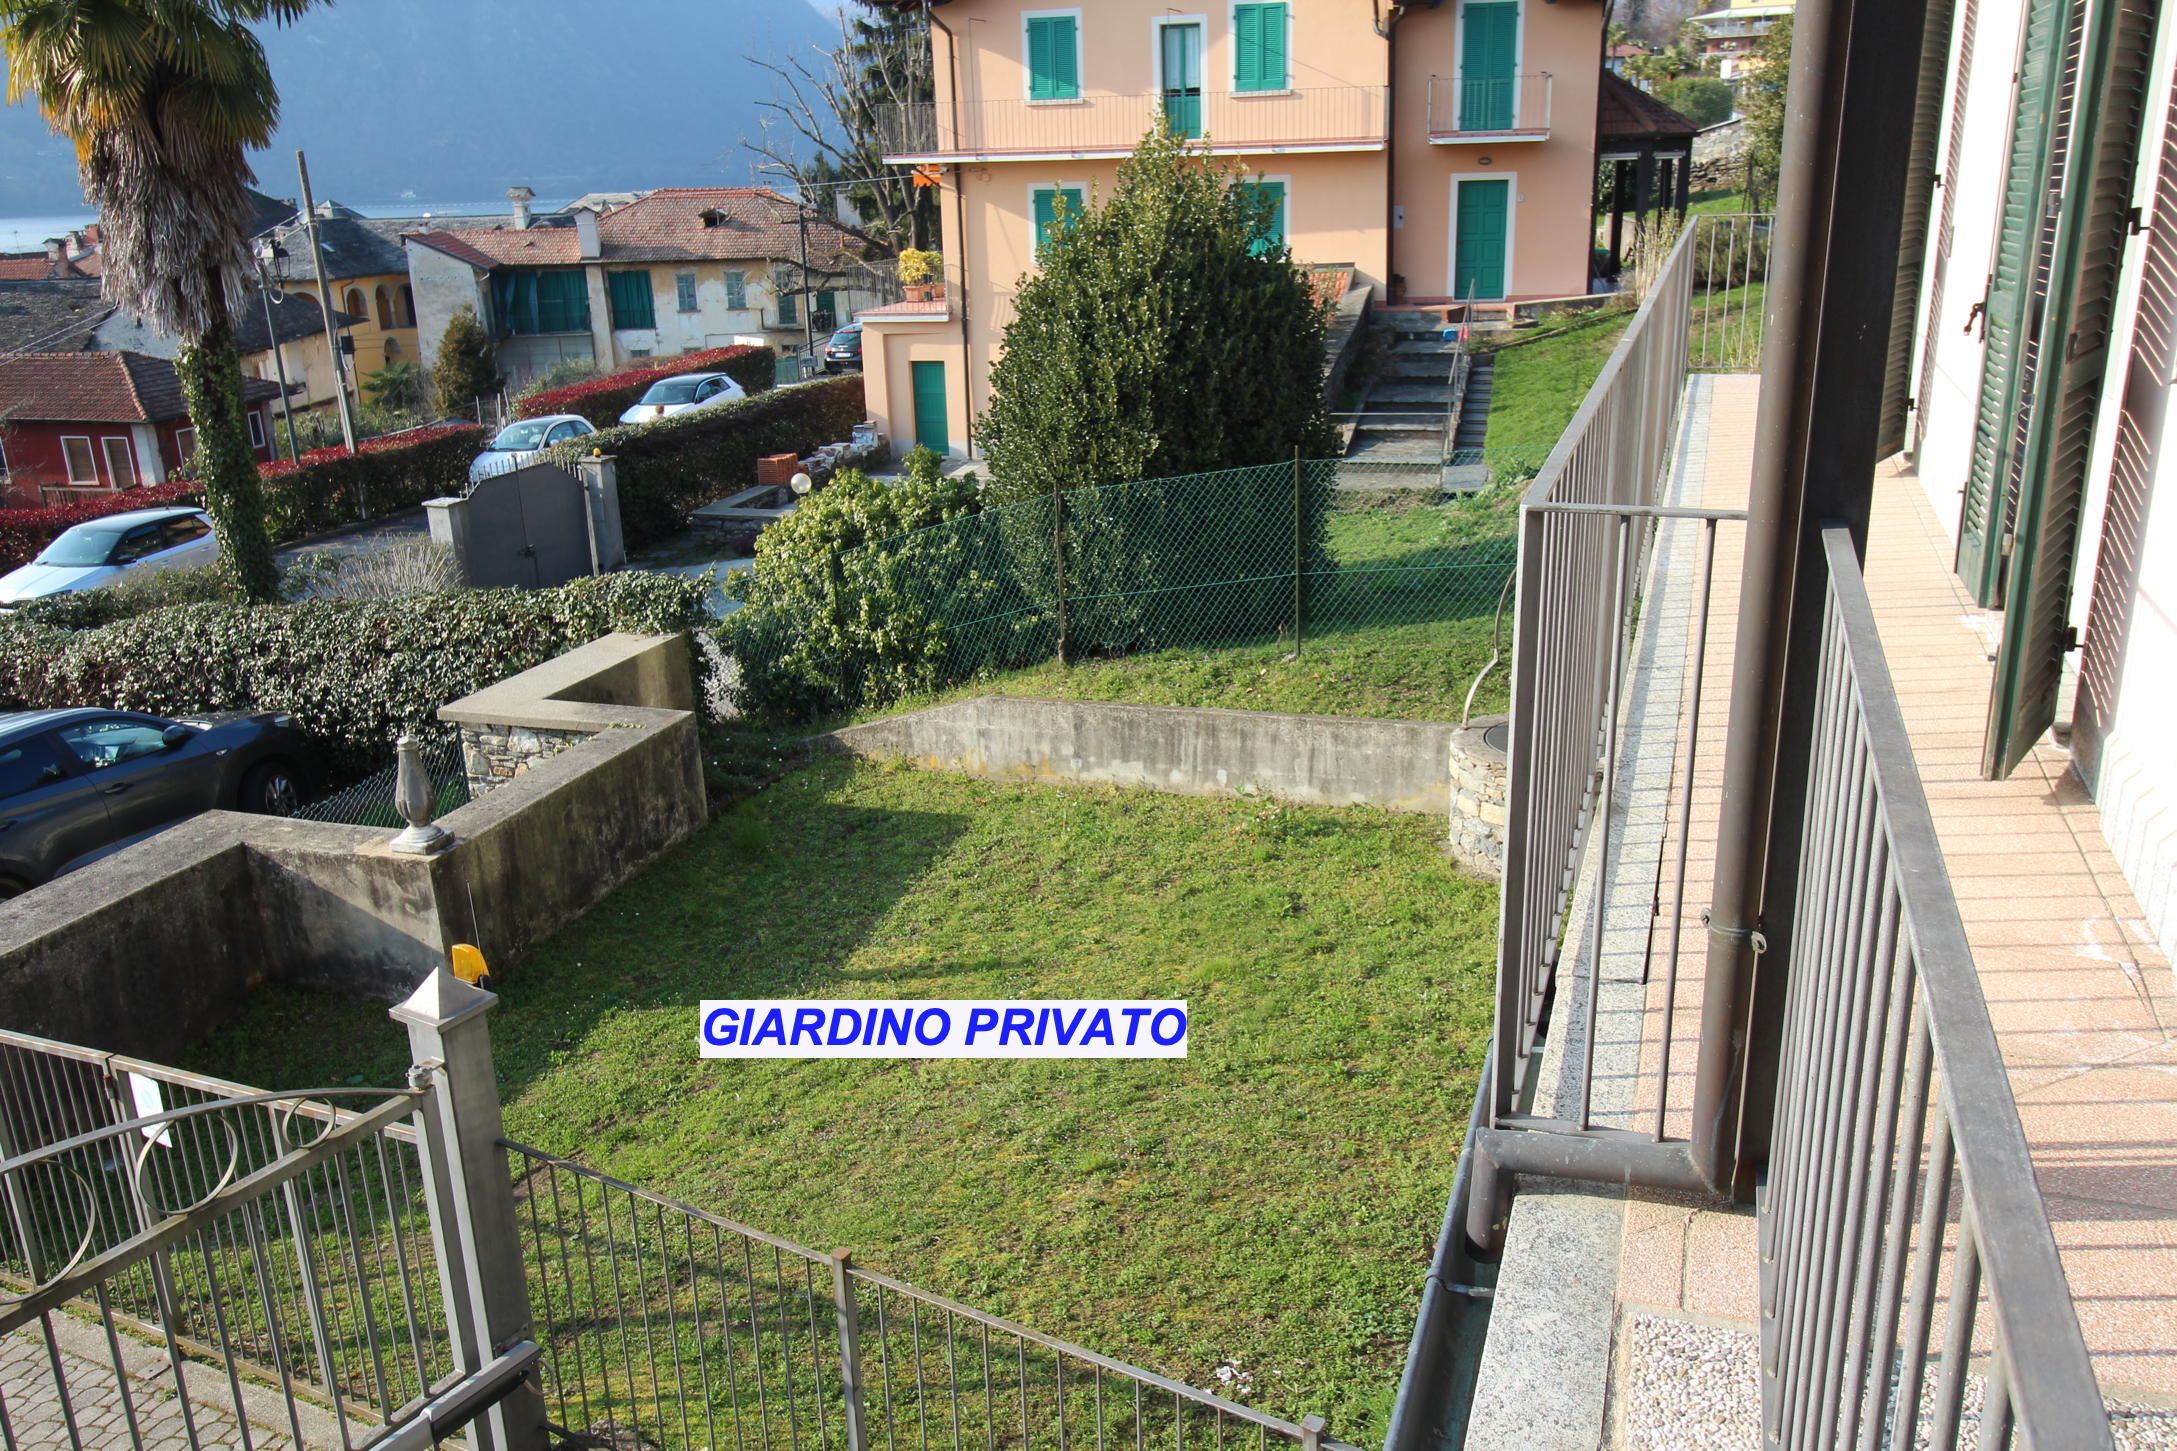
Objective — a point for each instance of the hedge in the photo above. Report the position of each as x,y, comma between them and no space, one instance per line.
352,672
326,488
603,400
667,468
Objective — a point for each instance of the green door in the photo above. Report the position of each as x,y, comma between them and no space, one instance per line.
1181,71
1485,215
930,421
1488,50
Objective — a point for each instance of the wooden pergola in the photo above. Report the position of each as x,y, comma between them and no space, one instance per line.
1643,159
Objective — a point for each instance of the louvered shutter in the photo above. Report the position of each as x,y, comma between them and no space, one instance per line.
1946,225
1258,35
2084,263
2039,128
1912,241
1054,68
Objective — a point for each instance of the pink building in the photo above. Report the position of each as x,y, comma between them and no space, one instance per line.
1441,149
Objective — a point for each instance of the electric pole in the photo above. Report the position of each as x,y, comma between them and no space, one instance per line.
325,304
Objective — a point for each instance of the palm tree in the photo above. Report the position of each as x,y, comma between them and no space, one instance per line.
161,97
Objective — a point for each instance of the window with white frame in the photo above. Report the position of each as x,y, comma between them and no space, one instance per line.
185,444
736,290
256,429
82,463
120,463
684,287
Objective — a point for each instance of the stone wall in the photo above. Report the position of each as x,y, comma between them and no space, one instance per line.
1478,794
145,951
502,750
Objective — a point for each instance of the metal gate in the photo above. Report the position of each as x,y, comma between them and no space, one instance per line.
529,529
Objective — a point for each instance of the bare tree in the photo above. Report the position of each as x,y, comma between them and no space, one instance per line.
1660,22
833,121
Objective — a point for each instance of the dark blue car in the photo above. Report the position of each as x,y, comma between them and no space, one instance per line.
77,784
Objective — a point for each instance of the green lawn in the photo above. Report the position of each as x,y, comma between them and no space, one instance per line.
1267,1204
1542,376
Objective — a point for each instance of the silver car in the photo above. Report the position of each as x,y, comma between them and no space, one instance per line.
100,551
519,443
680,393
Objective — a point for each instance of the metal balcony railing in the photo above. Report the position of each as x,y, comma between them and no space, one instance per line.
1492,109
1327,118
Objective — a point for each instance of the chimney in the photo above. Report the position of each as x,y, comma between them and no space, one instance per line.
521,197
585,231
56,256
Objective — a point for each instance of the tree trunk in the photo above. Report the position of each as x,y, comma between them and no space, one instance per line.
226,464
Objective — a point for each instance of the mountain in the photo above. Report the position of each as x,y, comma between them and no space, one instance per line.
457,100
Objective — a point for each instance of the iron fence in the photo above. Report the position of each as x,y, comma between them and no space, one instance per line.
369,802
1114,125
668,1327
1901,1228
267,1255
1291,556
1729,259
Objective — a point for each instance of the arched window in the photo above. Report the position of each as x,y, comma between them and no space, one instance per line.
408,305
393,351
355,303
385,309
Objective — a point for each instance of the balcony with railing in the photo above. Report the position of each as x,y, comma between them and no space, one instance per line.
1252,123
1498,108
1828,1213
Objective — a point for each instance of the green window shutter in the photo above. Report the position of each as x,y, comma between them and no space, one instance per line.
1489,48
1258,39
2084,260
2039,128
1912,240
561,302
933,428
1054,58
1946,224
632,304
1272,234
736,291
1046,217
684,287
789,303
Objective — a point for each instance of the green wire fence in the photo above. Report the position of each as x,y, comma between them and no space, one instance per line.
1291,555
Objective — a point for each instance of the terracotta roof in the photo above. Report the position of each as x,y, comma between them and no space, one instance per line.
1625,112
100,388
52,315
35,266
937,308
678,224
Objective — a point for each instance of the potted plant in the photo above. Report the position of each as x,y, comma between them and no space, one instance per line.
922,275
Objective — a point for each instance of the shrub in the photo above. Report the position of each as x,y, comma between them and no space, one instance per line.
680,463
840,606
465,370
23,532
354,673
602,400
391,570
328,487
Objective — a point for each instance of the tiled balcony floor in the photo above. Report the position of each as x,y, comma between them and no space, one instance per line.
2083,1003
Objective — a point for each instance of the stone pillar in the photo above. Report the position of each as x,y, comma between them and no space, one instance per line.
449,519
473,1226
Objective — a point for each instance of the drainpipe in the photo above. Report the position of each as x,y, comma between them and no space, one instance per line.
1834,244
1387,27
960,237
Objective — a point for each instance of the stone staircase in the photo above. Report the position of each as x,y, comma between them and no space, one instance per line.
1410,422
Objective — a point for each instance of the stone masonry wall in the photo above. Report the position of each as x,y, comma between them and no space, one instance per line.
1478,793
495,753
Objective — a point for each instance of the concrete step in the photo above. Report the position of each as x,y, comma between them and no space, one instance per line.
1391,423
1414,392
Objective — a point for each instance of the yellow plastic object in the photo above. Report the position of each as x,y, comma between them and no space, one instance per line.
468,965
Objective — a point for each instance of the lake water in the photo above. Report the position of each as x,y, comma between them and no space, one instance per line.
27,234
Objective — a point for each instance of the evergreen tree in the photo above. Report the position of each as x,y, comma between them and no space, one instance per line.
464,371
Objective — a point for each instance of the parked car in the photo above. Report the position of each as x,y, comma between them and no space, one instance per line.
101,550
844,350
519,443
76,784
680,393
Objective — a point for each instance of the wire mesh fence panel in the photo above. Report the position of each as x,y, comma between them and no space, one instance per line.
369,802
1269,557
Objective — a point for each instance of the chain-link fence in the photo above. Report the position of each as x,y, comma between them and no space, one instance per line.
369,802
1288,555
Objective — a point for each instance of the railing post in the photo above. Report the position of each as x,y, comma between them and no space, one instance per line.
482,1275
1311,1433
850,1347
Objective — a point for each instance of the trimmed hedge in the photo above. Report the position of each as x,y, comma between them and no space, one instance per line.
603,400
352,672
326,488
677,464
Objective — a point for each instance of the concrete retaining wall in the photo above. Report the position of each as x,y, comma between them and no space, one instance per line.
150,948
1315,760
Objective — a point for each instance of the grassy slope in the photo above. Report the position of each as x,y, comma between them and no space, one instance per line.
1269,1203
1542,376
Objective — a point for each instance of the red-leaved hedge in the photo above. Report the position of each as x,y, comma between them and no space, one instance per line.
603,400
326,488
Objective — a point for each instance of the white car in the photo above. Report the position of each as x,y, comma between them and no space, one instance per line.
519,443
680,393
100,551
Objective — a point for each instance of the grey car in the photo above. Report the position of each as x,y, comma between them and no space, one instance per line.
77,784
